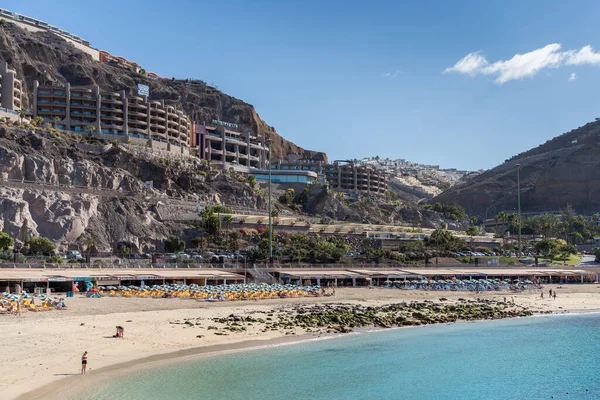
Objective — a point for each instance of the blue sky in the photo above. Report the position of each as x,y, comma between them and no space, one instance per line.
366,78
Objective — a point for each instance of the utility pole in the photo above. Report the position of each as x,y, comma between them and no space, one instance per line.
270,211
519,205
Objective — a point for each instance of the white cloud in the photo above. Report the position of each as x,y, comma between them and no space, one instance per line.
525,65
572,77
471,64
391,74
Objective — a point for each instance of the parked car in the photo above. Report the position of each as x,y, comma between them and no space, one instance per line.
74,255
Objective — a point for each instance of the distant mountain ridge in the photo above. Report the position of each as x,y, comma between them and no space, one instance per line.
565,169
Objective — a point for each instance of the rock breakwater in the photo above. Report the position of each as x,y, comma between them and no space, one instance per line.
344,318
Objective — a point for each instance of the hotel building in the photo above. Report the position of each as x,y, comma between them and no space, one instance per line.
342,177
220,144
11,88
131,118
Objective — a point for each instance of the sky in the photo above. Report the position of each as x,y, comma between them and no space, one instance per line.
460,84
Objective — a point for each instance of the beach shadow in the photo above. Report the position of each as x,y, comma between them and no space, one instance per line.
65,374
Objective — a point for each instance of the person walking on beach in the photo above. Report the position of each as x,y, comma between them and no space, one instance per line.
83,363
555,295
550,292
542,295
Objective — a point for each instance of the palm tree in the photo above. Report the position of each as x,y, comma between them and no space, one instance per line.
227,219
472,231
548,224
56,121
22,113
89,242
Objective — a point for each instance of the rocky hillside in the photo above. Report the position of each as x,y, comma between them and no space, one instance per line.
412,181
563,170
46,57
55,186
64,186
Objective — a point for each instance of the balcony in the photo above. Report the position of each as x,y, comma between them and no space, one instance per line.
136,130
111,117
142,135
89,106
112,126
83,121
111,101
157,118
112,132
158,110
136,120
157,133
83,95
112,109
137,113
137,106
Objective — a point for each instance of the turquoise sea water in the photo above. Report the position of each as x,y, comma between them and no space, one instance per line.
532,358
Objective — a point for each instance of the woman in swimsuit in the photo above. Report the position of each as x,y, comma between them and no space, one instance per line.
83,363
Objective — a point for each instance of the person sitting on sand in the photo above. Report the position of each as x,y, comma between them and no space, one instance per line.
120,332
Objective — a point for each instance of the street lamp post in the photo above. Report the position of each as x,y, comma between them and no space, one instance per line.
270,211
519,204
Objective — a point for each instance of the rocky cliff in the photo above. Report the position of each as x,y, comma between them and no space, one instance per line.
563,170
55,186
46,57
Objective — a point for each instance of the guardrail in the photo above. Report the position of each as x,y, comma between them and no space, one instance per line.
239,265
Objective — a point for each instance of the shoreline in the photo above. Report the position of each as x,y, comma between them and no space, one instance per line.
45,347
102,375
65,388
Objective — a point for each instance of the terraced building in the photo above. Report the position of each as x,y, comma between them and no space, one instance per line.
10,88
342,176
132,118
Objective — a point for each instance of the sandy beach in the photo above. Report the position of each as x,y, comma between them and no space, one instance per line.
41,349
